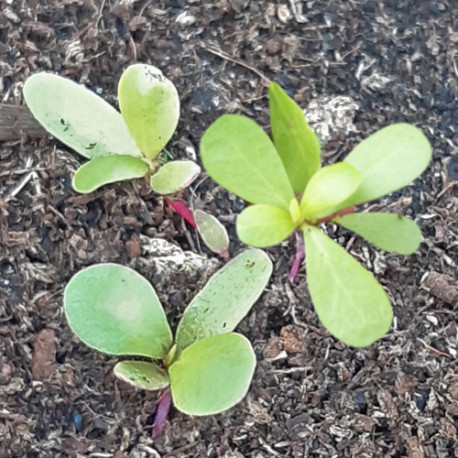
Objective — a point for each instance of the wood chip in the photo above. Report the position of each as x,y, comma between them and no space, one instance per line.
44,354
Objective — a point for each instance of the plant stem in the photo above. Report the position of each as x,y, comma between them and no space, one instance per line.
224,255
181,209
298,258
162,411
343,212
300,248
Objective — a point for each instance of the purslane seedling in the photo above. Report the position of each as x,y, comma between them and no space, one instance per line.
208,368
291,191
119,146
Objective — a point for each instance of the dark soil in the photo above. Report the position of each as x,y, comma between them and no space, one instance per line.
311,396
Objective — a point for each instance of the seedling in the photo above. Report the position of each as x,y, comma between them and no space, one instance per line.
291,192
120,146
209,368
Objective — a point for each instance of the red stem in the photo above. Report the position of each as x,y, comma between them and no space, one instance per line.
224,255
181,209
298,258
300,247
162,411
343,212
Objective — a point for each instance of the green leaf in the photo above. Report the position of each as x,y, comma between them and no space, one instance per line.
388,160
225,299
240,156
78,117
393,233
212,375
328,187
295,141
213,233
109,169
115,310
174,176
349,301
264,225
150,105
142,374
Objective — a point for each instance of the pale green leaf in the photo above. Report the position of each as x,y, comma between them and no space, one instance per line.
109,169
114,309
393,233
212,375
78,117
225,299
240,156
295,141
142,374
213,233
264,225
388,160
150,105
328,187
349,301
174,176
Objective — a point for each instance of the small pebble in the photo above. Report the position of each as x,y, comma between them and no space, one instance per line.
283,14
185,19
360,401
421,398
77,420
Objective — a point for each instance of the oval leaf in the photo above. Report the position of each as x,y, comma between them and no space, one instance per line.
213,233
240,156
263,225
115,310
225,299
174,176
295,141
328,187
388,160
150,105
389,232
78,117
349,301
142,374
109,169
212,375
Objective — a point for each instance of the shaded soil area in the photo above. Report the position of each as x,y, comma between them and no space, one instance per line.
311,396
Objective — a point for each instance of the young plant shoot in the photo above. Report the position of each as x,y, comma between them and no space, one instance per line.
119,146
291,191
208,368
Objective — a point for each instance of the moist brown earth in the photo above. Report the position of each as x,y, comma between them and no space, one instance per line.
311,395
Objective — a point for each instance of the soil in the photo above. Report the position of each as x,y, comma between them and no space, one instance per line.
311,395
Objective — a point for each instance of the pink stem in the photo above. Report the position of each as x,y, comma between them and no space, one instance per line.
298,258
224,255
162,411
181,209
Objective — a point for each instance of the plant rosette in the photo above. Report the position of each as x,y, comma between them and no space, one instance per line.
208,368
119,146
291,191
